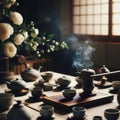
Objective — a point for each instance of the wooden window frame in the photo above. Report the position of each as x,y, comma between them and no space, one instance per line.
103,38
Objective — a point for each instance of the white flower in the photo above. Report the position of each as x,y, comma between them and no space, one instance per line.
16,18
25,34
5,31
10,50
34,33
7,3
18,39
10,3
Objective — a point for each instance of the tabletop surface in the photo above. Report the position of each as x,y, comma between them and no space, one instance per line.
34,107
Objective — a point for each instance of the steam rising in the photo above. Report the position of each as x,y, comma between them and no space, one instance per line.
82,52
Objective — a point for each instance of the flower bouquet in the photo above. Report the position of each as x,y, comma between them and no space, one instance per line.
16,36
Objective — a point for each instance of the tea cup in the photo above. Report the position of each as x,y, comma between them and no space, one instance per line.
78,111
116,85
47,86
47,76
111,114
69,93
37,92
47,111
97,118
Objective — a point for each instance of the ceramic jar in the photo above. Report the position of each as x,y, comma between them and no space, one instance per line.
19,112
6,100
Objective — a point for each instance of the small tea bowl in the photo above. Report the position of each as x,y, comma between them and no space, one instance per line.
46,111
97,118
63,81
78,111
116,85
111,114
47,86
69,93
47,76
37,92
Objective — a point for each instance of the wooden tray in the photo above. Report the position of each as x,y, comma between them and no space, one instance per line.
59,101
106,85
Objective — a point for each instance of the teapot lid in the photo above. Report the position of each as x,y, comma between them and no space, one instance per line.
64,78
18,82
88,70
31,71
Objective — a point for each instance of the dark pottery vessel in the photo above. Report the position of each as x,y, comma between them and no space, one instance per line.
111,114
47,76
18,87
19,112
6,100
63,81
30,74
37,92
69,93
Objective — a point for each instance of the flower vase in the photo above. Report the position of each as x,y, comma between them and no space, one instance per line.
5,73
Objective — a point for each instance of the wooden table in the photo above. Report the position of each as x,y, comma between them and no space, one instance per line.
91,112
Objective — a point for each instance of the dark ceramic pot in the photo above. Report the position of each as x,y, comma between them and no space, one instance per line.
6,100
19,112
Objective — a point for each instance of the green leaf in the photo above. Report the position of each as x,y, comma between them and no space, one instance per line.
51,36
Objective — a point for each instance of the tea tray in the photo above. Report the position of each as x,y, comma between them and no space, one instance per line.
58,101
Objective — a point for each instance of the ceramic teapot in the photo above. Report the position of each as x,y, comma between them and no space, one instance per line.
30,74
102,79
19,112
86,74
87,81
103,69
17,86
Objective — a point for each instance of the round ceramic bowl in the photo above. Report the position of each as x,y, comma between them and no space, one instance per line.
6,100
69,93
37,92
116,85
46,111
78,112
111,114
47,76
47,86
63,82
97,118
